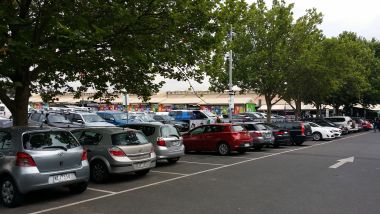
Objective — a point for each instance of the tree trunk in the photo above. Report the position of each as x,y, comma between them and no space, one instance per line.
268,101
20,103
298,109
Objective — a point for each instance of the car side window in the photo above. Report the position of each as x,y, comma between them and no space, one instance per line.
5,141
199,130
90,138
76,117
214,129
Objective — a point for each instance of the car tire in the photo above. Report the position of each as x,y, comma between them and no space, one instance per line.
223,149
317,136
258,147
78,188
142,172
173,160
99,172
10,195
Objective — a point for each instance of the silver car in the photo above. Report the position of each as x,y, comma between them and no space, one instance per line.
165,138
116,150
33,158
261,135
88,119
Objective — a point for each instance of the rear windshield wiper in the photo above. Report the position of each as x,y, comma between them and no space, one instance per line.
55,147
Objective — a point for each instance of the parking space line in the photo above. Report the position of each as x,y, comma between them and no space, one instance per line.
101,190
172,173
201,163
189,175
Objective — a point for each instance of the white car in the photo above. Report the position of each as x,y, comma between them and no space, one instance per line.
324,133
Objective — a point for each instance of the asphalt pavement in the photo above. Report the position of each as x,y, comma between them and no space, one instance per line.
317,177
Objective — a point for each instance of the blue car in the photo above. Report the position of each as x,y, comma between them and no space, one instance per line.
116,118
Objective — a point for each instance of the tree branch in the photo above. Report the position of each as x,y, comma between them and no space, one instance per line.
6,100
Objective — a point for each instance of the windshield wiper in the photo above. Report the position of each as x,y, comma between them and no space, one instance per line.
55,147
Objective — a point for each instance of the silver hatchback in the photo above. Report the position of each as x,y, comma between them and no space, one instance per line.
34,158
165,138
115,151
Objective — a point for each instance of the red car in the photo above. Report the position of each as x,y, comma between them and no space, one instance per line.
367,125
222,138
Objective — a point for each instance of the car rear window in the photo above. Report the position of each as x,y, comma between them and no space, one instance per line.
261,127
338,119
237,128
129,138
169,131
249,127
147,130
49,140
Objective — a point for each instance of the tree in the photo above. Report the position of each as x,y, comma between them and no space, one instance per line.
105,45
259,50
306,79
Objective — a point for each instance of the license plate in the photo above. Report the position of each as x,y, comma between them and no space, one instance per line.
268,135
246,145
176,143
141,165
61,178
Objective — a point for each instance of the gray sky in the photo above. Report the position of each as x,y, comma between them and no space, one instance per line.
360,16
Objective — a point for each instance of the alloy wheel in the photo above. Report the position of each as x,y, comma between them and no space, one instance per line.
7,192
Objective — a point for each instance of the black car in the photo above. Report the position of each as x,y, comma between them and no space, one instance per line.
281,135
299,131
165,119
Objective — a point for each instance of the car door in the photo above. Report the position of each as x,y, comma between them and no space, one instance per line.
211,137
194,139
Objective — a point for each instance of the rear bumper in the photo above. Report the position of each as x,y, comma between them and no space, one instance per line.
30,179
165,152
131,167
241,145
263,141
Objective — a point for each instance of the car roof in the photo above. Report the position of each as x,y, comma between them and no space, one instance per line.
31,128
109,130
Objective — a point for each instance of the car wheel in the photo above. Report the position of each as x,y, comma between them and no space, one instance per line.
10,195
78,188
99,172
173,160
142,172
223,149
317,136
258,147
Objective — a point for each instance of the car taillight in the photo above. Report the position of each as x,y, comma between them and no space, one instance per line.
116,152
24,160
235,135
84,155
302,129
161,142
257,134
280,133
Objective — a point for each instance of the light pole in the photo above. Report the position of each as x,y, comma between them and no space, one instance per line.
230,91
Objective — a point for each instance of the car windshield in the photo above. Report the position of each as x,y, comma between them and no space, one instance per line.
92,118
58,119
129,138
261,127
121,116
169,131
49,140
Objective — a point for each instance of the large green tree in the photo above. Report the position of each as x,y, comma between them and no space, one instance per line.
113,45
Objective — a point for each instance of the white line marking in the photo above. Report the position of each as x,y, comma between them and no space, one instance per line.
101,190
200,163
172,173
341,162
189,175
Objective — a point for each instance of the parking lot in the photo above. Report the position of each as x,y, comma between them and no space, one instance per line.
205,182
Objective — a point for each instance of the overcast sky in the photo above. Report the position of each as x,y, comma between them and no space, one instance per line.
360,16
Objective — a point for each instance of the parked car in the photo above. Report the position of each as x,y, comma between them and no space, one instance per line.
237,118
222,138
51,119
324,133
194,117
345,123
166,119
261,134
359,122
253,115
281,135
166,139
367,125
34,158
113,150
320,121
299,131
114,117
88,119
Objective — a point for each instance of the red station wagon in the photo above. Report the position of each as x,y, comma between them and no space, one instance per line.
222,138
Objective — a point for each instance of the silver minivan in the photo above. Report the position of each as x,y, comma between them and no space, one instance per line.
113,150
165,138
33,158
